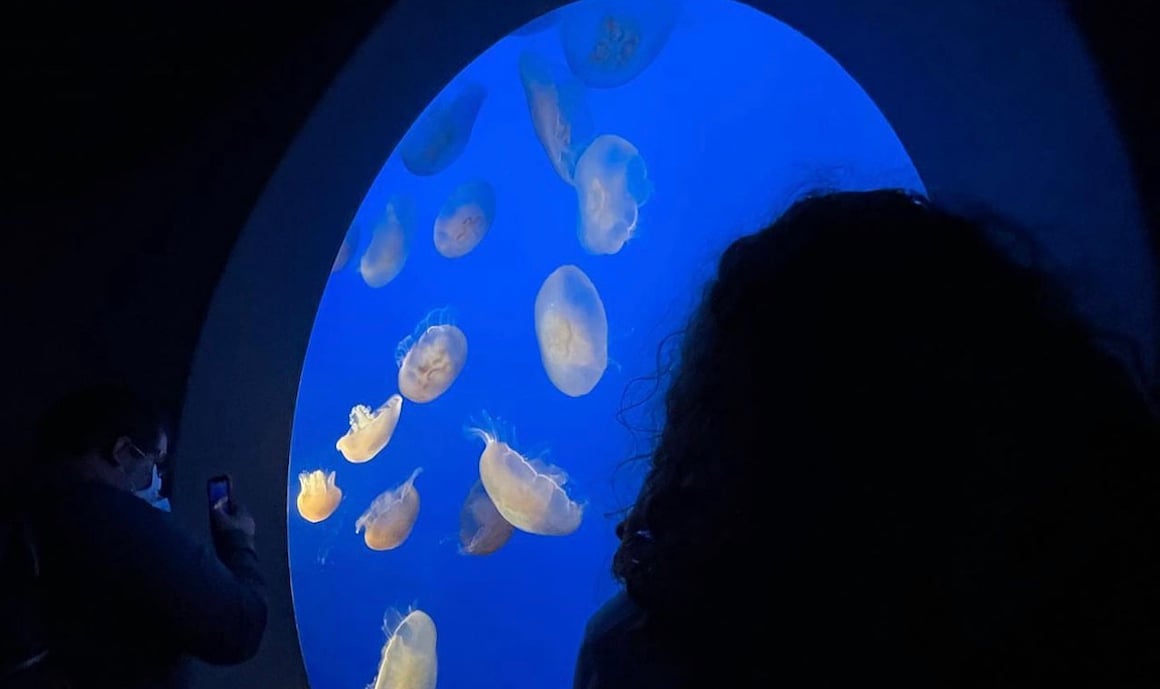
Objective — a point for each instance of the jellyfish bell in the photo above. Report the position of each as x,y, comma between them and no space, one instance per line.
608,43
391,517
318,495
370,431
572,330
538,25
482,529
346,249
465,219
431,358
441,133
611,185
390,241
560,115
409,659
529,494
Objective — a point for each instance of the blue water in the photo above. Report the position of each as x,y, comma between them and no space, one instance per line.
736,116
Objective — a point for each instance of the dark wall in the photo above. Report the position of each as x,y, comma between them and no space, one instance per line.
138,137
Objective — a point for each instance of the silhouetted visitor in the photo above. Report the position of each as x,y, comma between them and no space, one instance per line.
890,457
124,594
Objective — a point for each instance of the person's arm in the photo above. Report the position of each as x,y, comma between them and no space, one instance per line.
213,609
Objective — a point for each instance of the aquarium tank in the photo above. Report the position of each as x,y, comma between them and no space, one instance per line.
488,356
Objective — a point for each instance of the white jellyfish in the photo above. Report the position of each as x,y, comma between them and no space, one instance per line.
611,185
572,329
528,493
482,529
391,516
608,43
431,358
385,255
441,133
560,116
409,660
370,431
318,496
465,219
346,250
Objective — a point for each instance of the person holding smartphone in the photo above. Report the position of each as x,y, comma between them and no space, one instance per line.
126,595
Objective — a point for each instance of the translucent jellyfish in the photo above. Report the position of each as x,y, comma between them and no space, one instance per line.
318,496
409,660
387,252
465,219
611,184
346,250
573,331
560,116
608,43
441,133
431,358
391,516
370,431
528,493
482,529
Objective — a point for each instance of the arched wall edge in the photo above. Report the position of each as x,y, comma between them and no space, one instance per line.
989,113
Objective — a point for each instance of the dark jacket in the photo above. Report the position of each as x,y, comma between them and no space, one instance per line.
127,595
611,659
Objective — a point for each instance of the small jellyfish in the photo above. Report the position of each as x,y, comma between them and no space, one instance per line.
387,252
346,250
572,329
559,113
318,496
482,529
409,660
608,43
370,431
431,358
391,516
611,185
465,219
529,494
441,133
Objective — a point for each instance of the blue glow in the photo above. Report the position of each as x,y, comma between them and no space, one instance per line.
735,116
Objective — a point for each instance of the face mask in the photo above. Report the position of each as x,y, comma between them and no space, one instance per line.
152,493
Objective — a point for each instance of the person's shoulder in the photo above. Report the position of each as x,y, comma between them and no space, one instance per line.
617,615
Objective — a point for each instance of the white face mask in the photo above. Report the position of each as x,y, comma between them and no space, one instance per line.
152,493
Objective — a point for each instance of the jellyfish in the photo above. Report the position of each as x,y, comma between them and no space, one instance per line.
318,496
387,252
537,25
391,516
559,113
370,431
528,493
348,247
431,358
572,329
611,184
482,529
465,219
441,133
608,43
409,660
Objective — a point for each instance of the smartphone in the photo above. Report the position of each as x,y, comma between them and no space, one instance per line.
217,488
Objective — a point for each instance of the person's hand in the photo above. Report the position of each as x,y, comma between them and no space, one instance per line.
235,517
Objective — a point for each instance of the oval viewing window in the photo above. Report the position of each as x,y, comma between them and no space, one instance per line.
548,219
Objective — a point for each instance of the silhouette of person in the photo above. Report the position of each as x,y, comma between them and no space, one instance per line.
890,456
126,595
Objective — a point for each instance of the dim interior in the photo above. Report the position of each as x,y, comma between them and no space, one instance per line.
482,360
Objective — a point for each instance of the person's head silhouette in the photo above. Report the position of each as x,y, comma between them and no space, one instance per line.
894,447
